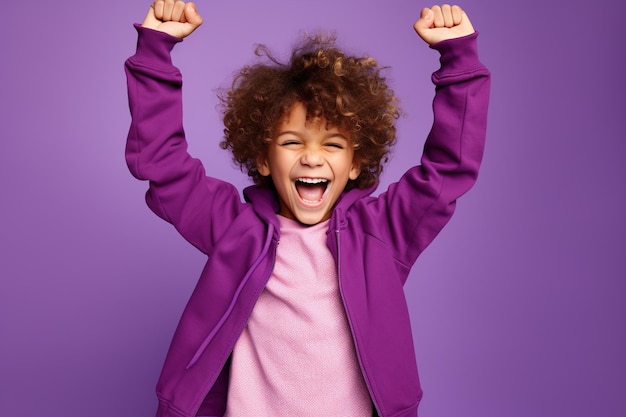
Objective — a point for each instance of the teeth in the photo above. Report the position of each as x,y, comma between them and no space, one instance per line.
312,180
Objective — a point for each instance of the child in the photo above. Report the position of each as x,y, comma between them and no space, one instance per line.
300,309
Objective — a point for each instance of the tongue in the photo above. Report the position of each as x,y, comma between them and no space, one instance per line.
310,192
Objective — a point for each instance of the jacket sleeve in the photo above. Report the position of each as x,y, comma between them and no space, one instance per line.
421,203
156,149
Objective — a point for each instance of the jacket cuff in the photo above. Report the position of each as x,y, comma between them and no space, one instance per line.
459,58
154,47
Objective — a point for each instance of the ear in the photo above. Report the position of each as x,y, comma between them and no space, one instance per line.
355,171
263,166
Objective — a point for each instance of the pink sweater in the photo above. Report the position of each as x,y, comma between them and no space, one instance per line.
296,356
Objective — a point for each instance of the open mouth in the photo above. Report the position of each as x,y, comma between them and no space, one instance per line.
311,190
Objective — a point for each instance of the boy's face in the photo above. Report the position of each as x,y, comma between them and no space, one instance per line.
310,164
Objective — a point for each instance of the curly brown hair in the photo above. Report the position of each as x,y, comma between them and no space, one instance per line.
348,92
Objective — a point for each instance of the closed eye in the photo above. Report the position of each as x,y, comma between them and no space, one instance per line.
334,145
290,143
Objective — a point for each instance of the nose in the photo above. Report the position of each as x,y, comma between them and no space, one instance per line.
312,158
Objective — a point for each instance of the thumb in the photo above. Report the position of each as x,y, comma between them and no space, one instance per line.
191,15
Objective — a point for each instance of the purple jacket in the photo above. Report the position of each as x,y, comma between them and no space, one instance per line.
374,240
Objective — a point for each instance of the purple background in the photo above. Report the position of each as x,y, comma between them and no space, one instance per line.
518,307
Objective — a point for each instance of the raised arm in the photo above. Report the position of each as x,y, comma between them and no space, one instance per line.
421,203
156,150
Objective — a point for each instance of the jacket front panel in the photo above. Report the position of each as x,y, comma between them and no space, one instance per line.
374,241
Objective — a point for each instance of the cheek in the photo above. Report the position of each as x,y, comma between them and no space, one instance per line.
275,163
351,166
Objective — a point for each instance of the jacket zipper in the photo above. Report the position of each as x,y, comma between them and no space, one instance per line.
244,281
343,299
266,246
